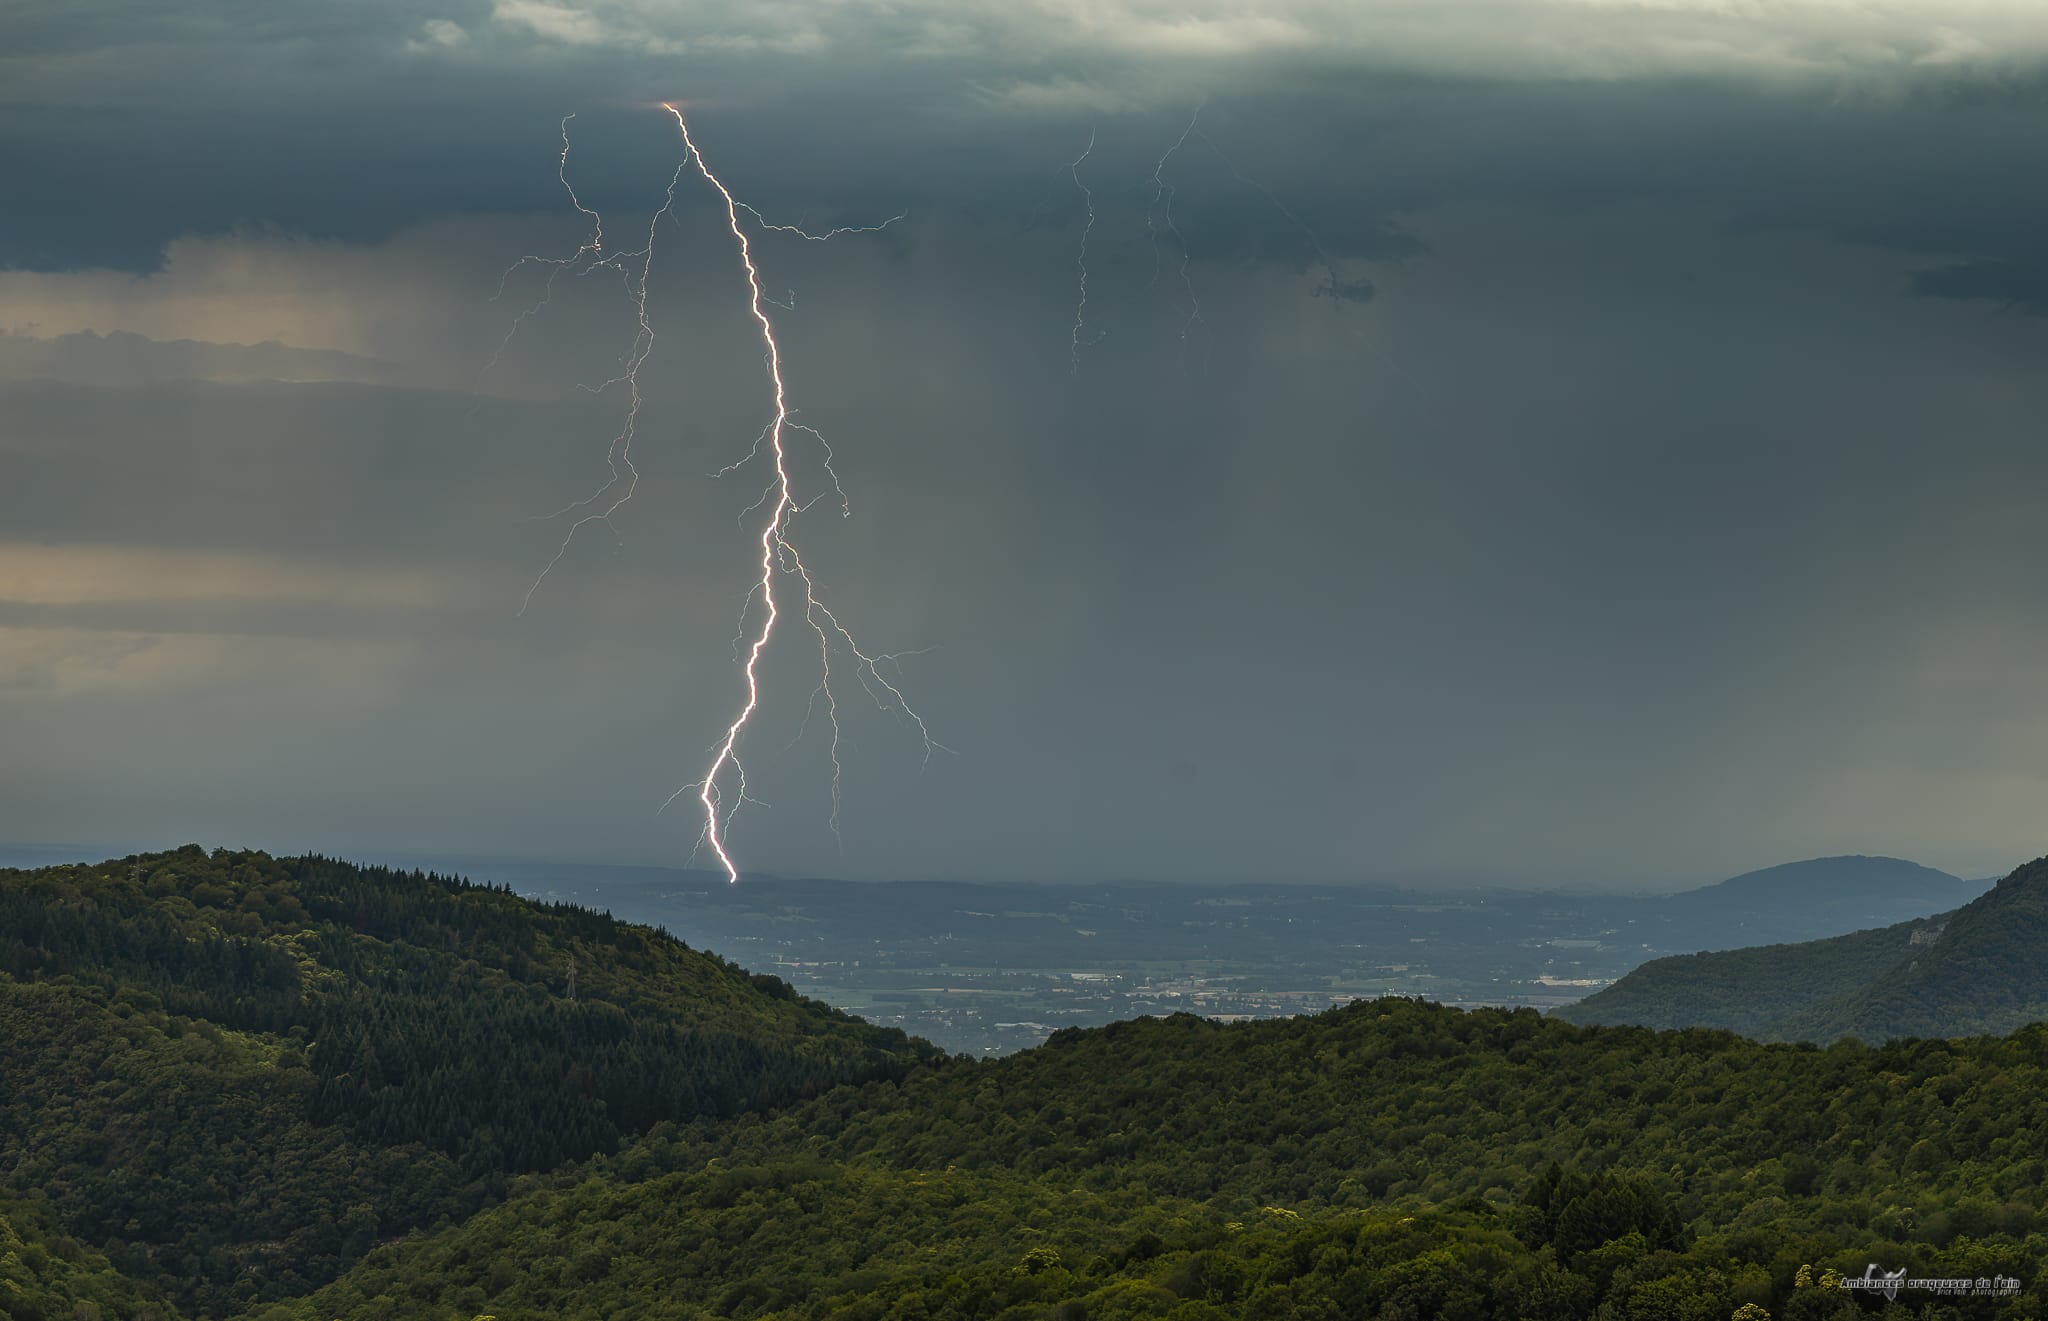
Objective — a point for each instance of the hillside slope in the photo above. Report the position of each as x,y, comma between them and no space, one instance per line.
1382,1160
1757,991
237,1072
1987,971
239,1076
46,1275
1982,968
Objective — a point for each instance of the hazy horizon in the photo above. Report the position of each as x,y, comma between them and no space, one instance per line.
33,853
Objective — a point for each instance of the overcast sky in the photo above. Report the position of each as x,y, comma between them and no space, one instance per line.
1566,442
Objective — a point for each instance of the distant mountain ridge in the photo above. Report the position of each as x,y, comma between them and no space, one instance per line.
1809,900
1978,969
1871,876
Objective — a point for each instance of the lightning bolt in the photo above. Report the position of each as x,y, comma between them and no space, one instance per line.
779,555
590,247
589,257
1081,257
726,777
1161,207
802,233
1162,200
600,505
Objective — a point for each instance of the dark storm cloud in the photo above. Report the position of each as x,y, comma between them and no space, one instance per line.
1545,473
354,121
2008,284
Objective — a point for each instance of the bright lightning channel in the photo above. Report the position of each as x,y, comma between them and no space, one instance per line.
779,555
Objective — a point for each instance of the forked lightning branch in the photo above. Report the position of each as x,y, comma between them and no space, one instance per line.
786,584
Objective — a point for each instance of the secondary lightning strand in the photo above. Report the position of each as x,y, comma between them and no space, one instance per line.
593,247
624,477
1162,200
802,233
825,625
1081,257
778,554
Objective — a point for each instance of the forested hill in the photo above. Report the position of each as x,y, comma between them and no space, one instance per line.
1758,992
1390,1160
47,1275
1980,969
233,1073
296,1090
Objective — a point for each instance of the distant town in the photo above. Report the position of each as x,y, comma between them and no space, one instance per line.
990,969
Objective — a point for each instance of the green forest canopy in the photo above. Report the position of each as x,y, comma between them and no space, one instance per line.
299,1089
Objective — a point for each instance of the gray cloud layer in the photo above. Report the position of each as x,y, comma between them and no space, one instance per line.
1668,508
